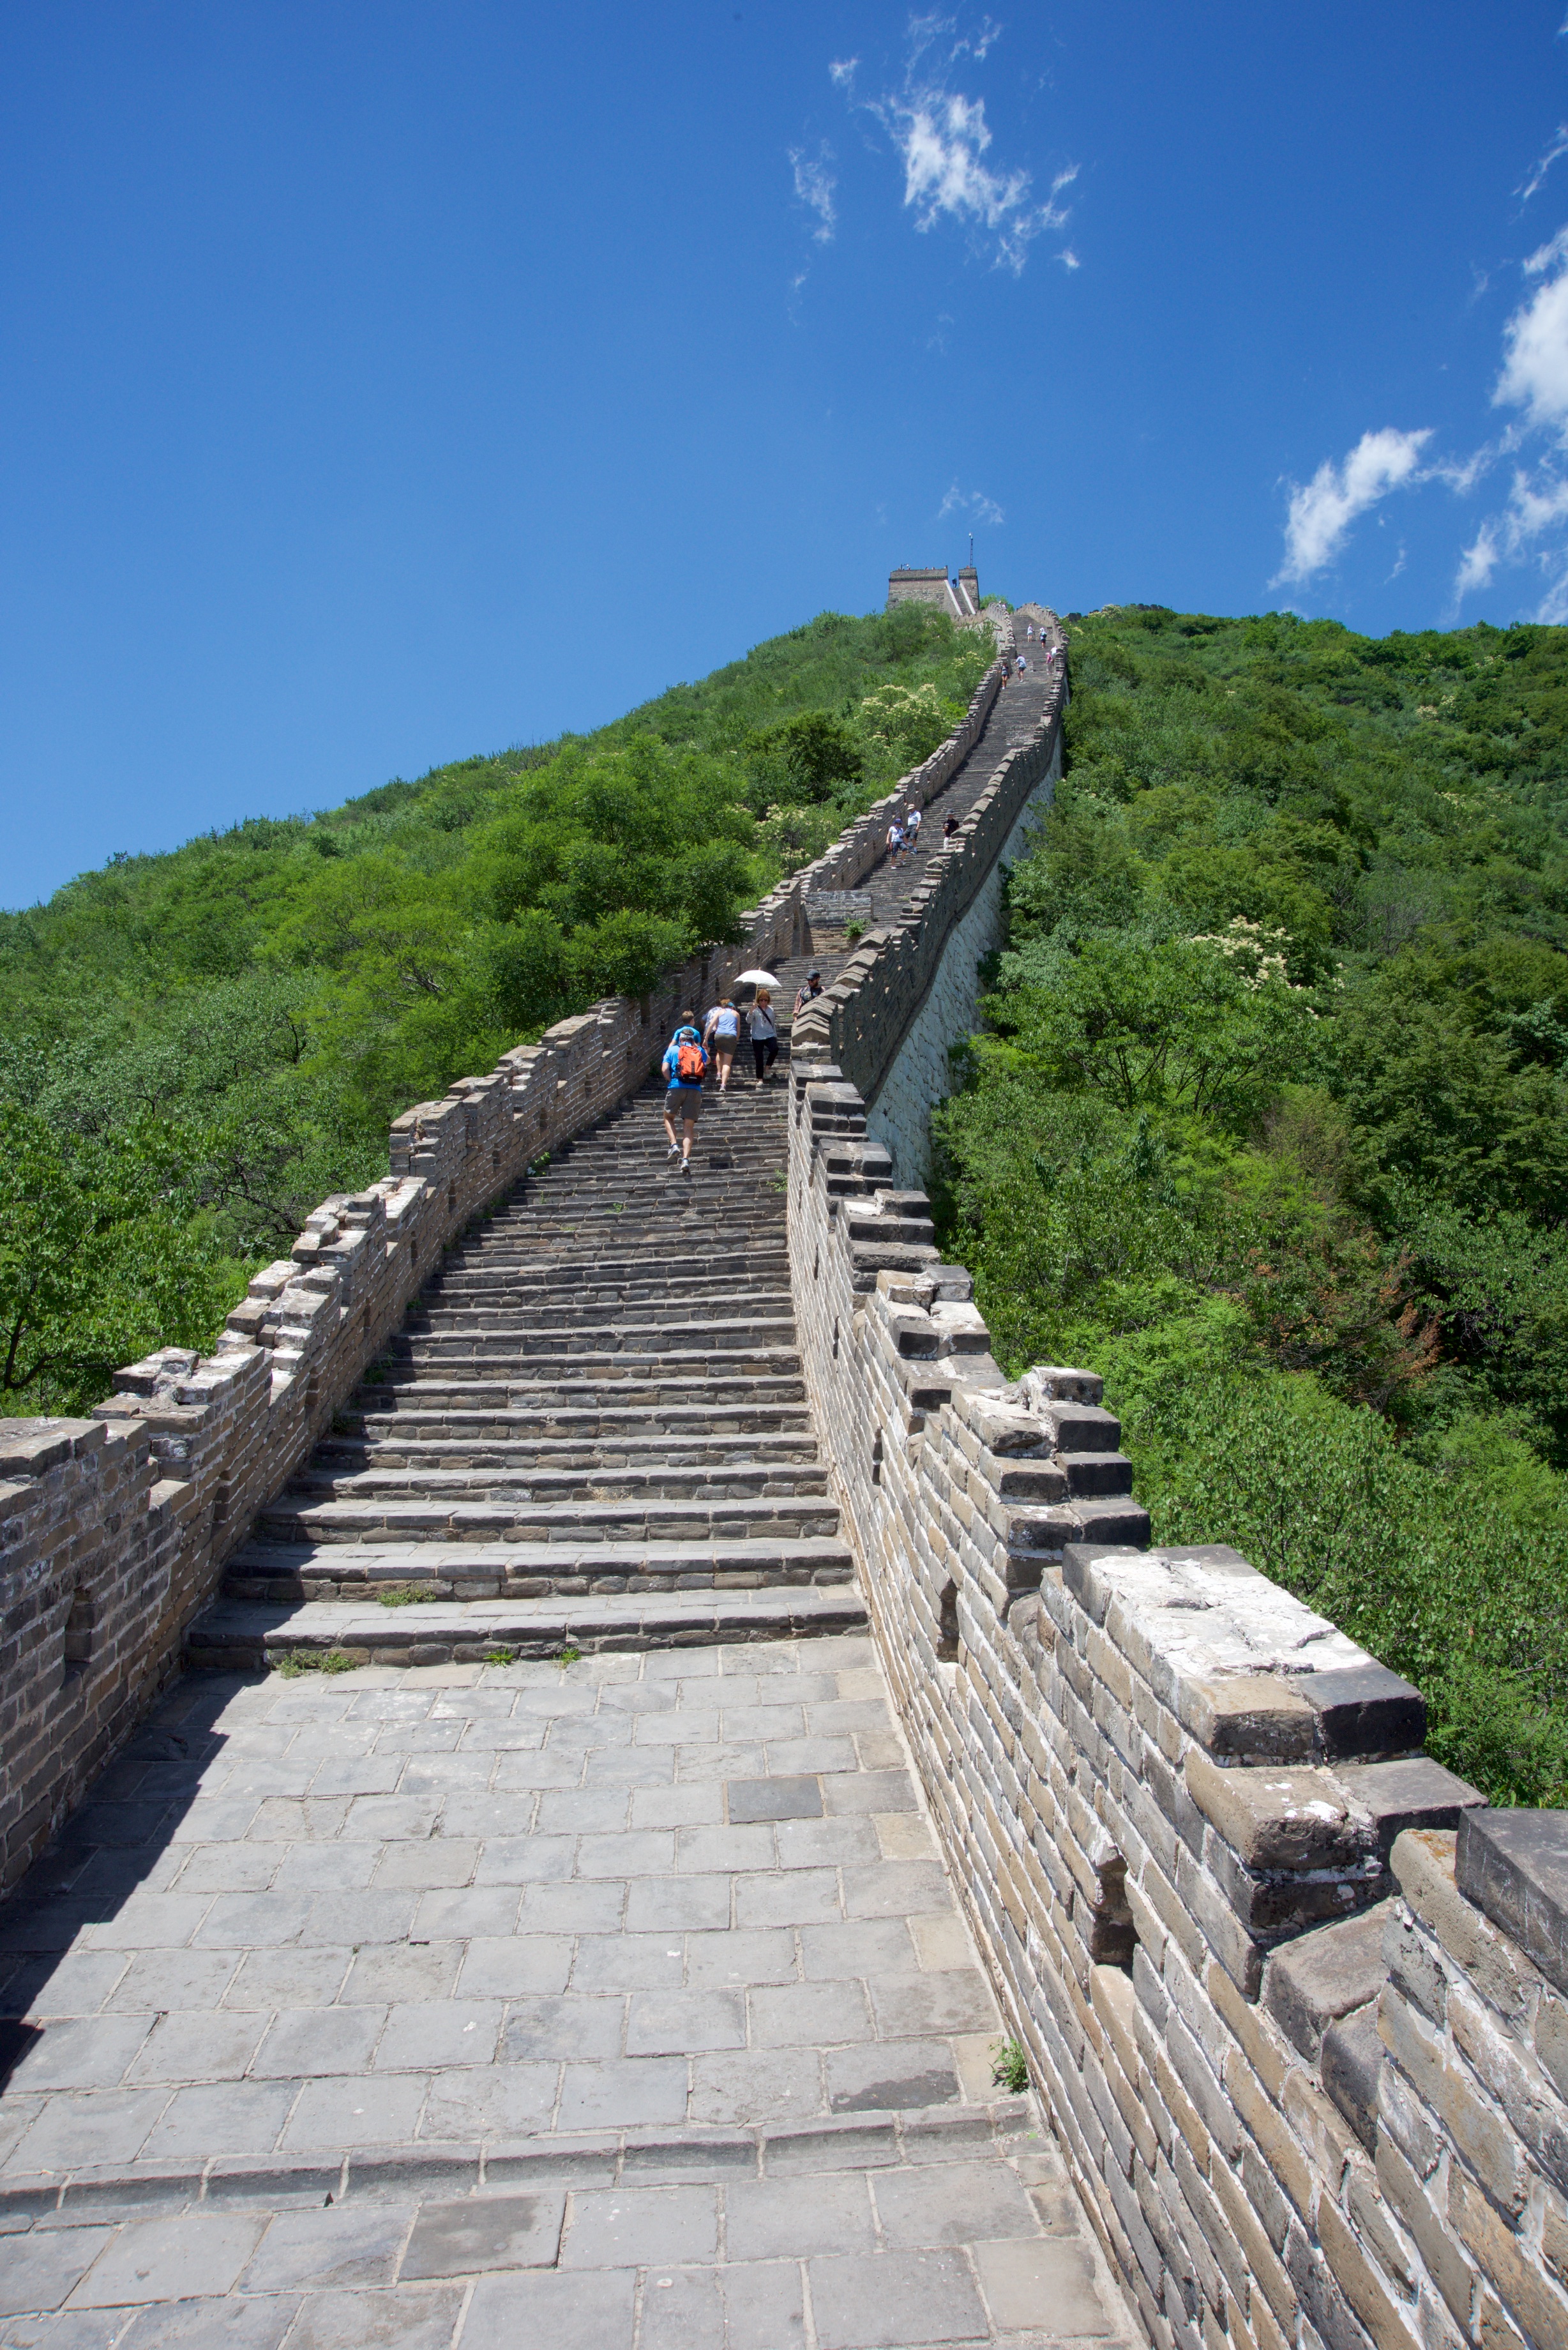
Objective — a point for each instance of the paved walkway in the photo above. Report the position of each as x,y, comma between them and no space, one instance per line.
612,2003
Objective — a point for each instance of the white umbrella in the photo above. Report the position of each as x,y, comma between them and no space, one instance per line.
755,979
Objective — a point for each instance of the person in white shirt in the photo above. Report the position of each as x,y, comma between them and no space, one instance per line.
763,1030
895,841
722,1034
912,829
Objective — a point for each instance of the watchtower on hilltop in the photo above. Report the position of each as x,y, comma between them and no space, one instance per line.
959,598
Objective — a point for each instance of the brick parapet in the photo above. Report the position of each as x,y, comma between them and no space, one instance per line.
861,1021
1311,2091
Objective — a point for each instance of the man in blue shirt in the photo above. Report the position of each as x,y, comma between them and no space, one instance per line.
685,1066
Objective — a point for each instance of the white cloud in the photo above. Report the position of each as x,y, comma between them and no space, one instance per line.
1478,562
815,185
1533,379
1320,514
942,139
1559,146
1535,342
973,503
1537,507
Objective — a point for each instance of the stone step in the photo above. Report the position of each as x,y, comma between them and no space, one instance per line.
679,1306
626,1427
239,1635
518,1518
588,1276
523,1342
631,2160
626,1386
733,1480
657,1455
640,1357
559,1235
487,1569
721,1375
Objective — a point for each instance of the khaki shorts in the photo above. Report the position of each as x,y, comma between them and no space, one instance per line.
683,1101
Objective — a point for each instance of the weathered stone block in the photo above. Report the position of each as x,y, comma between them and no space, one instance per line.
1514,1867
1312,1982
1277,1819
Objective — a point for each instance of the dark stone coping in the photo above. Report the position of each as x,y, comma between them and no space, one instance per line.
1513,1865
873,2139
1411,1792
1364,1710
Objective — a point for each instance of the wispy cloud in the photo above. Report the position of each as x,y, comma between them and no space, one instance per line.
943,140
1535,343
1321,512
1559,146
1532,528
972,503
815,185
841,73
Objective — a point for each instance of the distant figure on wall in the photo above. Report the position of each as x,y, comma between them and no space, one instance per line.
912,830
895,841
810,989
950,831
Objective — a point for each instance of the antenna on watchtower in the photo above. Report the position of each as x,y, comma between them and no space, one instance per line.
972,550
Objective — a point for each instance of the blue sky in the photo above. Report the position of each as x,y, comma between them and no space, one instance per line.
383,383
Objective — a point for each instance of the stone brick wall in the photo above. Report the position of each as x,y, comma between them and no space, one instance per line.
920,1073
861,1022
1309,2070
1296,2000
912,585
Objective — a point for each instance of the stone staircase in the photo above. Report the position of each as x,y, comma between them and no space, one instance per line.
591,1429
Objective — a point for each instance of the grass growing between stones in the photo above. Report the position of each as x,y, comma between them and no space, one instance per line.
1009,2068
289,1663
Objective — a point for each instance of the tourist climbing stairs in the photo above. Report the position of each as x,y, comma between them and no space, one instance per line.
591,1429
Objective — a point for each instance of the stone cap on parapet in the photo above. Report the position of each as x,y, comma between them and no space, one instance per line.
30,1447
1513,1865
1199,1619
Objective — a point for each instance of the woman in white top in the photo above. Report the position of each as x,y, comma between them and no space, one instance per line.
722,1033
763,1031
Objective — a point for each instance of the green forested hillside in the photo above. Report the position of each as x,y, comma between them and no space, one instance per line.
200,1046
1269,1124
